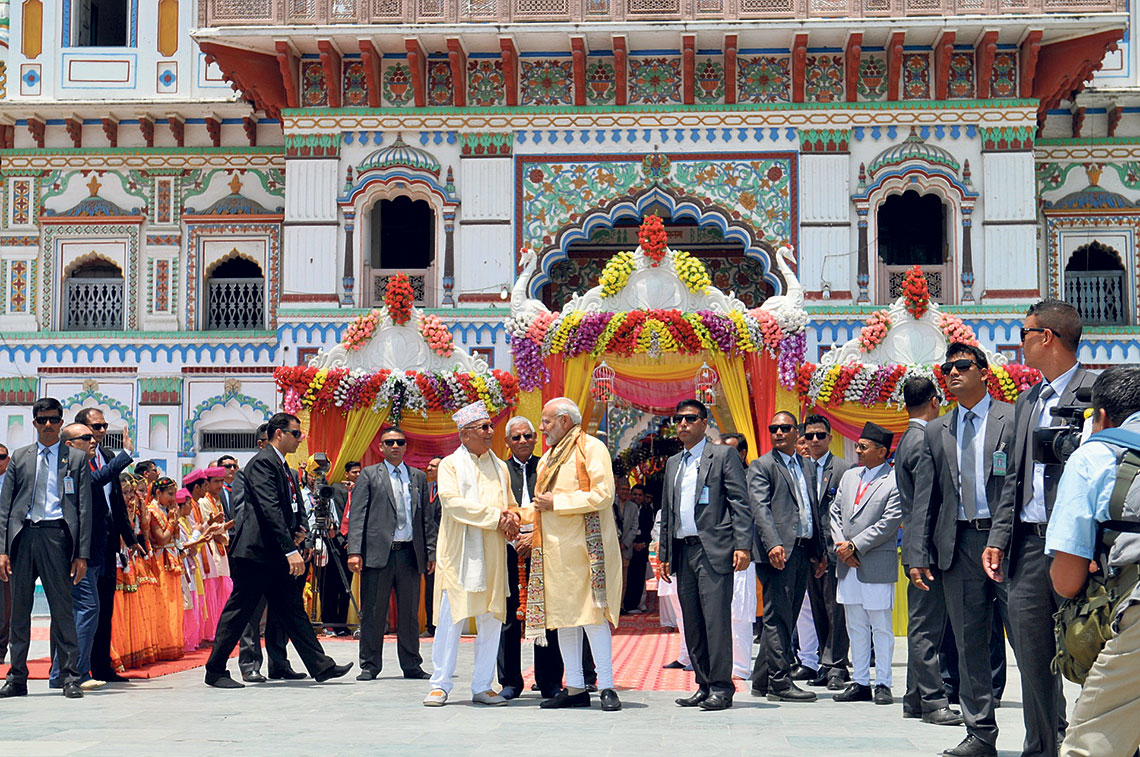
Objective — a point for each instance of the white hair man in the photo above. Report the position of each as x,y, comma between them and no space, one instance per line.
575,579
471,556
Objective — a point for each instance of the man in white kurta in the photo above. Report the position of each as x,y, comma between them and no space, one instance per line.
580,554
471,556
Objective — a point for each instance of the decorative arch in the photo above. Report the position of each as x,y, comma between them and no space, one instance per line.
231,398
91,257
634,207
112,409
233,254
1097,246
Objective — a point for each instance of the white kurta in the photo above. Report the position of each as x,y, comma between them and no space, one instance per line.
851,591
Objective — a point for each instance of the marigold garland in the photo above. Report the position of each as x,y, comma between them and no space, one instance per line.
616,273
691,271
652,238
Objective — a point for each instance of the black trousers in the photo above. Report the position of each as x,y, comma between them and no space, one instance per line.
948,657
5,618
830,623
548,669
926,626
43,551
783,597
970,598
101,666
706,609
376,585
252,581
636,586
276,639
1032,603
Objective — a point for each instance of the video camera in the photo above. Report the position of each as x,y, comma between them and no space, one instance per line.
323,518
1052,445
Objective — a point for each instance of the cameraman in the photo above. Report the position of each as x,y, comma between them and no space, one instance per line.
1050,337
1106,719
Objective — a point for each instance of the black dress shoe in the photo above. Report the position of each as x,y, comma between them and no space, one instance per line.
883,695
592,687
802,673
911,714
287,675
419,674
716,702
835,683
565,699
791,693
333,671
759,692
610,701
820,680
110,677
944,716
367,674
254,676
855,692
223,681
72,691
675,665
972,746
693,700
11,689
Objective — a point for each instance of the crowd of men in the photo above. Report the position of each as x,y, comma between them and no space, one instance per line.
547,549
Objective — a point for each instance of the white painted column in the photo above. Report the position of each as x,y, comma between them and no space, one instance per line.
484,246
310,267
826,267
1006,264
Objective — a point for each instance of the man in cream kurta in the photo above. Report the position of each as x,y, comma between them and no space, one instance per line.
580,553
471,556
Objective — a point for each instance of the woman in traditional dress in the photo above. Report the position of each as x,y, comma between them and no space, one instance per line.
193,571
144,602
167,567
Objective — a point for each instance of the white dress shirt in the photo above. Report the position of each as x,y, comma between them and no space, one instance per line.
982,410
1034,511
53,503
403,497
687,504
794,464
292,483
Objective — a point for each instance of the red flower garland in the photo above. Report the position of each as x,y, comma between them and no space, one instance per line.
398,298
652,238
916,292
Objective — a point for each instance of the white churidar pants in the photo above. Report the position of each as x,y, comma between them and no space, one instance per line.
445,649
863,626
570,644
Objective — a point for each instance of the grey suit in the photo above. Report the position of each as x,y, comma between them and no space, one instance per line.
827,614
388,565
1032,600
958,547
775,511
703,563
871,525
45,550
926,610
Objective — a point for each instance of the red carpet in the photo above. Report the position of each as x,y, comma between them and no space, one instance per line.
39,668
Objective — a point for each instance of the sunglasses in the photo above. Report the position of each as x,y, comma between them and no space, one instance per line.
781,427
520,437
484,427
818,436
230,466
297,433
394,442
3,456
83,437
98,426
1025,331
962,365
687,417
44,420
866,446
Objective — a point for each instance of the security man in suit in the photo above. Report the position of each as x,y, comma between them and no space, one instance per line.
864,523
391,543
45,533
827,614
265,559
787,548
964,464
1050,338
706,535
925,696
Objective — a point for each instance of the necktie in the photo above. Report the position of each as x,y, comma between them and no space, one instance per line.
39,495
401,502
967,477
797,477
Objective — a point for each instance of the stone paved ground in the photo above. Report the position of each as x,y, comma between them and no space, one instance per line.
178,715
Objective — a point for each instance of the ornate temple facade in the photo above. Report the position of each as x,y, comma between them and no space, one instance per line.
195,192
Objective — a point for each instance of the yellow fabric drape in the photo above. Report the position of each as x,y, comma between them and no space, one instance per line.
302,452
530,406
735,386
644,368
576,375
361,429
856,414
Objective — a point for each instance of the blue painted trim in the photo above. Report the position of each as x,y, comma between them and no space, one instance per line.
600,54
655,53
256,405
828,50
110,402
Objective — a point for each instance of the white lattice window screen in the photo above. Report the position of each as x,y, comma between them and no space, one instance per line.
830,7
710,6
597,7
343,9
923,6
480,8
765,7
302,8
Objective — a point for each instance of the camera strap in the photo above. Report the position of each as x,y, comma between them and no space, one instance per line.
1126,472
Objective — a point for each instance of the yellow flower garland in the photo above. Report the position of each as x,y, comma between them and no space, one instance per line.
691,271
616,273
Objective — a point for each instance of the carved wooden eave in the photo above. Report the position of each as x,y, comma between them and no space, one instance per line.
1063,68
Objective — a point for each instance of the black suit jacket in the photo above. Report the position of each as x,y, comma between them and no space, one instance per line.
372,517
16,497
1020,479
531,466
908,456
824,491
775,510
109,521
936,493
724,523
265,520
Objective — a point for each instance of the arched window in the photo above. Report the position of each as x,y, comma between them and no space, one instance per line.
912,230
93,296
402,234
236,295
1094,285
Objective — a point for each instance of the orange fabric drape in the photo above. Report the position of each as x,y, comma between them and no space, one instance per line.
765,387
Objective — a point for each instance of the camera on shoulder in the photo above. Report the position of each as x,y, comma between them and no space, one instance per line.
1054,444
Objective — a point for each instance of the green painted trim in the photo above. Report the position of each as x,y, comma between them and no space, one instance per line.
1112,330
1087,142
671,108
259,150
